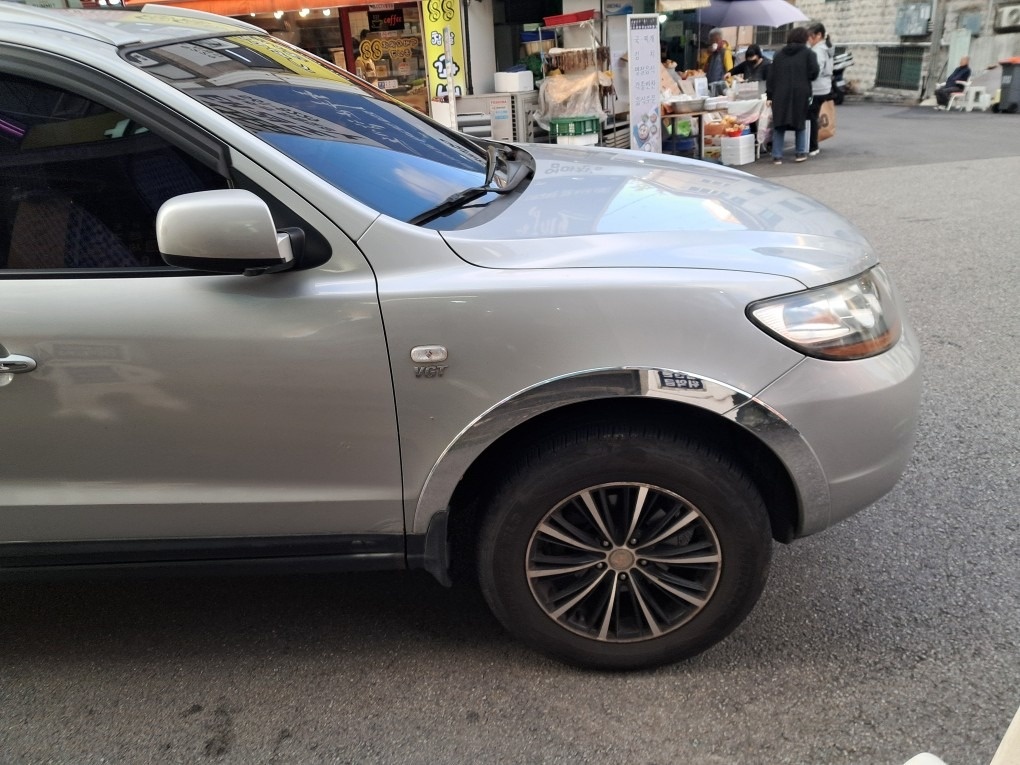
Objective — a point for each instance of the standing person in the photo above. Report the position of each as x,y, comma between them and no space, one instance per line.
364,66
955,82
754,67
821,86
718,61
788,89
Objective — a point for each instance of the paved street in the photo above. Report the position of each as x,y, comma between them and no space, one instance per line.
893,633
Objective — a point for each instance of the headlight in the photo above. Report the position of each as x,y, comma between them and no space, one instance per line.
849,320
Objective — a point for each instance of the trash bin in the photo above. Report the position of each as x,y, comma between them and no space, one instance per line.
1009,96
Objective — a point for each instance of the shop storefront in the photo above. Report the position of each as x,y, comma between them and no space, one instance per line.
399,47
384,44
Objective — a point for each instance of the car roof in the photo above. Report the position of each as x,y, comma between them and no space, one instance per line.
152,24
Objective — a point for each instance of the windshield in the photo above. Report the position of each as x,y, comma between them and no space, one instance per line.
367,145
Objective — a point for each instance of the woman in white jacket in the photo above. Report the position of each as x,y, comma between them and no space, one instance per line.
821,86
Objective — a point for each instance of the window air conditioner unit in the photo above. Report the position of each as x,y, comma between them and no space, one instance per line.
1007,17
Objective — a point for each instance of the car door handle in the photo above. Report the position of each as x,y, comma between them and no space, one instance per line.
15,364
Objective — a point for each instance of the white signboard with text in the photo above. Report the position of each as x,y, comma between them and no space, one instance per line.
643,67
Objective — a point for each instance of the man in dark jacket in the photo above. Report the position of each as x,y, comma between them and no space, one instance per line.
788,89
955,83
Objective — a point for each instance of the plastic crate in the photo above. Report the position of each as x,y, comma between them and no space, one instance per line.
568,18
560,20
573,126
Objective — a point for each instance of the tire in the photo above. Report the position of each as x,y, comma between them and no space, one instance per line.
557,568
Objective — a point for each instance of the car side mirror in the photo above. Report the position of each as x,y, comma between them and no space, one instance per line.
229,231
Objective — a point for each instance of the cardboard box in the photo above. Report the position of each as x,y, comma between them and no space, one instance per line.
713,122
514,82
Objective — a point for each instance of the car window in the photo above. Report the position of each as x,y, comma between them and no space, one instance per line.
366,144
80,183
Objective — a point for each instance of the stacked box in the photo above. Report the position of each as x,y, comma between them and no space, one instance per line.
737,151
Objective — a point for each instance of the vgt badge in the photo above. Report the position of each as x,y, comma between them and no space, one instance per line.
430,359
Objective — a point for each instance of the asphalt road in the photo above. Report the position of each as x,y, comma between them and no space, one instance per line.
893,633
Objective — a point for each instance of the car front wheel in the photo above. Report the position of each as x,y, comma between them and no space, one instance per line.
623,546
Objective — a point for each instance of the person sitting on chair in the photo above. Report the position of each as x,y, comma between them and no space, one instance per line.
955,83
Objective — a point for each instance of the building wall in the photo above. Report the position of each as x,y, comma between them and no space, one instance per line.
863,26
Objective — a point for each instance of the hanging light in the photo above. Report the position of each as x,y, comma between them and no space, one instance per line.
303,12
277,14
326,11
663,18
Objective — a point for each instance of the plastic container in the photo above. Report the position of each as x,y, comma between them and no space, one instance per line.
578,140
686,146
686,105
570,126
560,20
569,18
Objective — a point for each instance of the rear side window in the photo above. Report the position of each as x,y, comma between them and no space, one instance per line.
80,183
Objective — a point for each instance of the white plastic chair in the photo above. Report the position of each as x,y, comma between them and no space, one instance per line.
971,97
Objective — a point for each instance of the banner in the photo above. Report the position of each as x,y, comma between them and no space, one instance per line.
644,65
437,16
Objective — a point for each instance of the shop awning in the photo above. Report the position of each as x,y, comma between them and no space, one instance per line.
247,7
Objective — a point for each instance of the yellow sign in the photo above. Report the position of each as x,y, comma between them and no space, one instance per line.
293,59
438,16
394,47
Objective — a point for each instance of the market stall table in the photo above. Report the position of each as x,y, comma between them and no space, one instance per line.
746,112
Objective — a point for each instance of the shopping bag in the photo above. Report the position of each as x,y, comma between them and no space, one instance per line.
826,120
765,127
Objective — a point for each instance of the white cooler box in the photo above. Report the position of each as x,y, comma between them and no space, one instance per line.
738,151
514,82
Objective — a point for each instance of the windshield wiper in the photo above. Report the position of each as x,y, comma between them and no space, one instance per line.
516,176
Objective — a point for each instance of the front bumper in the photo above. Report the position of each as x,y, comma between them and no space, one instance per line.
859,419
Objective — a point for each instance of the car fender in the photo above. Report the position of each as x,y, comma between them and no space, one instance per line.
765,424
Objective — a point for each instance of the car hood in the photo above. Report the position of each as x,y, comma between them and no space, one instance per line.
612,208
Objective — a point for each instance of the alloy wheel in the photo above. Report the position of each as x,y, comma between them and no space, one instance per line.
623,562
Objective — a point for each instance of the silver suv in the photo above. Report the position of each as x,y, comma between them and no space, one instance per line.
255,312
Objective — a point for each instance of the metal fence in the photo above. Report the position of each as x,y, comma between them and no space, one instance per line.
899,66
769,37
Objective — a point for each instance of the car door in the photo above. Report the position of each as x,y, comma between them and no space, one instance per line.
143,402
